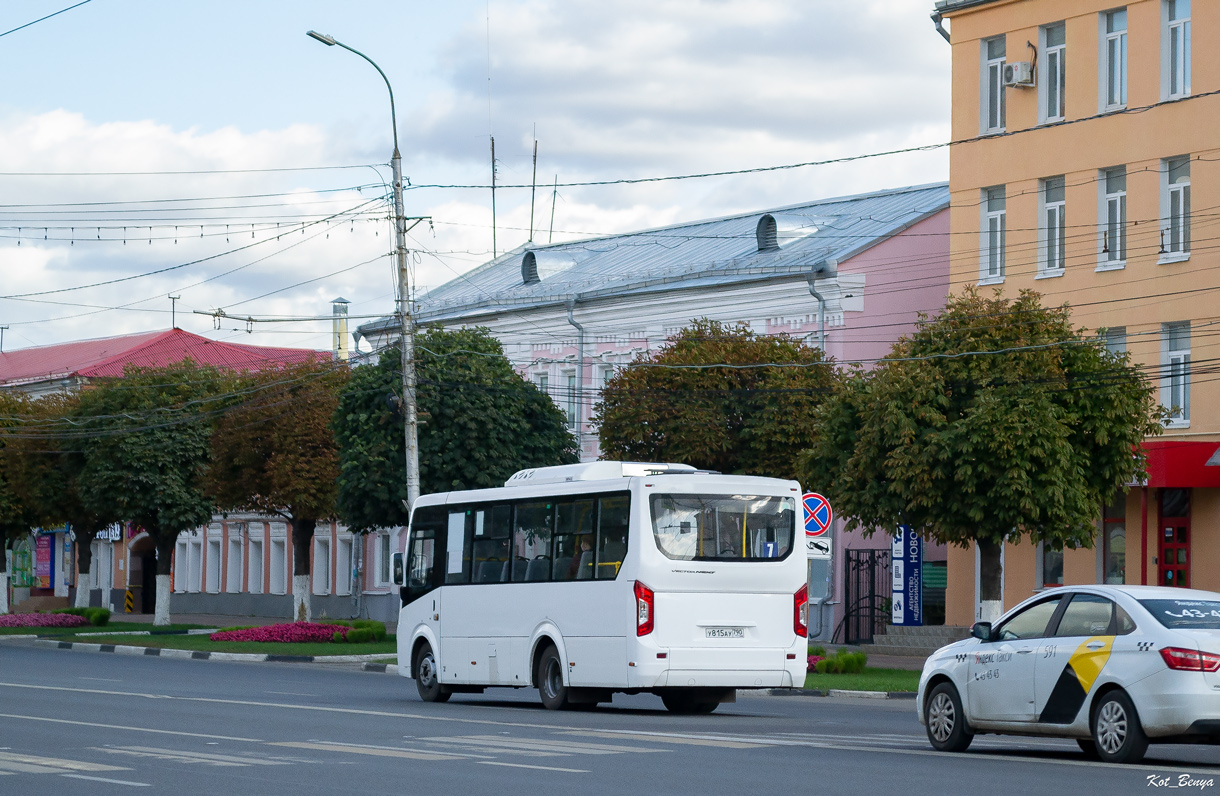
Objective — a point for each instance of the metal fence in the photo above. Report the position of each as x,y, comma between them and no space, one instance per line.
867,590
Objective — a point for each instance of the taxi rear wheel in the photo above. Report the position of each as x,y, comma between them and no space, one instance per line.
945,720
1117,732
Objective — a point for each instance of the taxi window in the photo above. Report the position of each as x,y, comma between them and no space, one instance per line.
1123,622
1186,614
1030,623
1086,615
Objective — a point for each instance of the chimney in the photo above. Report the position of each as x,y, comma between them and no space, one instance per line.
339,313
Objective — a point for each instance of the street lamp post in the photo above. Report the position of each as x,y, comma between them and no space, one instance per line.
404,306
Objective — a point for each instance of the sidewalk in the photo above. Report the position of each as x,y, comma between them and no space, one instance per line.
208,620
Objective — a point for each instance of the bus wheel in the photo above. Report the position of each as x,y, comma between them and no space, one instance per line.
427,678
550,681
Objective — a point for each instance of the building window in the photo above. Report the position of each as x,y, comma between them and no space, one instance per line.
995,228
1176,190
1115,339
1176,49
1114,233
1114,60
1050,565
321,565
254,567
1054,49
278,580
1054,228
383,559
544,383
572,397
1114,540
343,566
1175,372
993,85
233,564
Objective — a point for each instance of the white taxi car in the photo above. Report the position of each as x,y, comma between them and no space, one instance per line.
1115,667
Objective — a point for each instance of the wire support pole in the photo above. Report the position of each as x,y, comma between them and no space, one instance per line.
410,413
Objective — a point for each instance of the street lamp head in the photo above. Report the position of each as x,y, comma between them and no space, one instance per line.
329,41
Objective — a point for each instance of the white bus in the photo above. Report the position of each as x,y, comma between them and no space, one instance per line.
583,580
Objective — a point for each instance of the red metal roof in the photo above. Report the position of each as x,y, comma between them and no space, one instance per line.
108,356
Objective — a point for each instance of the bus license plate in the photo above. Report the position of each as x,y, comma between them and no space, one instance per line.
726,632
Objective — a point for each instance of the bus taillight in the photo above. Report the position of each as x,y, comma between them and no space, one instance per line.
643,609
800,611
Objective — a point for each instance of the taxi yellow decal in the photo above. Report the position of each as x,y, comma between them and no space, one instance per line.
1076,680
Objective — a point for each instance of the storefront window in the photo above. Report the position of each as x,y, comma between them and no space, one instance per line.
1052,566
1114,540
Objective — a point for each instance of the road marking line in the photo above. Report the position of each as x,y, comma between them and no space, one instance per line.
363,750
669,738
111,781
130,729
537,745
192,757
53,764
538,768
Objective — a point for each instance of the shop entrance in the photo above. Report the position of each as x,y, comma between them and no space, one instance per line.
142,579
1174,548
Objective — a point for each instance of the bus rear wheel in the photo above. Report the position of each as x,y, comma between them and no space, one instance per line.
427,677
550,681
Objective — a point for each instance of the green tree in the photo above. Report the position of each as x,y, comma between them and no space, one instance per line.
275,453
13,518
44,469
480,423
751,418
995,421
146,452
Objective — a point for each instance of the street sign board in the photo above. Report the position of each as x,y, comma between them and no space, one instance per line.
907,571
817,518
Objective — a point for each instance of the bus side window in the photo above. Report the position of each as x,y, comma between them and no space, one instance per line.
532,541
574,540
614,516
424,572
457,546
490,528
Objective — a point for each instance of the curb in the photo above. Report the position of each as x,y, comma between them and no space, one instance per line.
199,655
834,692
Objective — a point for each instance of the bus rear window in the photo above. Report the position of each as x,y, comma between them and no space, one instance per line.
723,527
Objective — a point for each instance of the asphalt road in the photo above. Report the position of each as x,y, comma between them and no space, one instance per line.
98,723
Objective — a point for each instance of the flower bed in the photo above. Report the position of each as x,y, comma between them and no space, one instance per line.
812,661
286,633
42,620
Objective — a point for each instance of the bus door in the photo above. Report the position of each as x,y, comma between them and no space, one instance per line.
425,571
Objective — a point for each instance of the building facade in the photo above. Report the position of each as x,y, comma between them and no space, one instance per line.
568,315
1085,168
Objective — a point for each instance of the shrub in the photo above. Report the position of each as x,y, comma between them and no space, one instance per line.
71,611
359,635
235,627
339,622
98,617
842,662
818,652
337,638
812,661
378,628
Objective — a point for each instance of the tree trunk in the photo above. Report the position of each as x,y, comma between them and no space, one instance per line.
165,559
84,564
991,568
302,541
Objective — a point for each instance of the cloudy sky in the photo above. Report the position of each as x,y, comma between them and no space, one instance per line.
152,148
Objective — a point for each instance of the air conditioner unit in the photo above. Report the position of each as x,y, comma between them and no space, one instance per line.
1019,74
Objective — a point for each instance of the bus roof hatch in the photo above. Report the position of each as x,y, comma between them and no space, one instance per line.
595,471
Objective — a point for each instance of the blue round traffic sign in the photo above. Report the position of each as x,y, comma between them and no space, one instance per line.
818,514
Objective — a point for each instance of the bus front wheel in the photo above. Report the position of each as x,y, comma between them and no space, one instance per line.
427,677
550,681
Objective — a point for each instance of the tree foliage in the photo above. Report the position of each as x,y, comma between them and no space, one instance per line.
480,422
274,452
750,419
994,421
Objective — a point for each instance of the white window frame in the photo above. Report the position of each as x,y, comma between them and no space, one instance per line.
234,563
1115,339
277,580
1175,49
1040,567
321,565
214,551
1052,105
181,565
1112,67
1175,373
254,565
994,237
194,559
381,556
1052,230
992,85
570,398
543,380
1112,238
345,547
1175,210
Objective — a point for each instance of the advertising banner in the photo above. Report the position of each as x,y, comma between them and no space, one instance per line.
907,570
44,561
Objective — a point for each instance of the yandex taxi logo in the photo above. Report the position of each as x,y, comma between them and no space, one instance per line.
1082,669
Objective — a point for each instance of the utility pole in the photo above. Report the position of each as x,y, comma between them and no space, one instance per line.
554,193
493,197
533,186
410,413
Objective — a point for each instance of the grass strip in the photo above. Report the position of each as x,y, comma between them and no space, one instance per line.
114,627
868,680
204,644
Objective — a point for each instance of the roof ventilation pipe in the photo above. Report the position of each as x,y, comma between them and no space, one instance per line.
539,265
580,376
827,269
778,230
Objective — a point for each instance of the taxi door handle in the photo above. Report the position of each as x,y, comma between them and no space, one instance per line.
1025,651
1095,645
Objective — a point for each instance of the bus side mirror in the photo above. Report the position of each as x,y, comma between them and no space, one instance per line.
396,569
